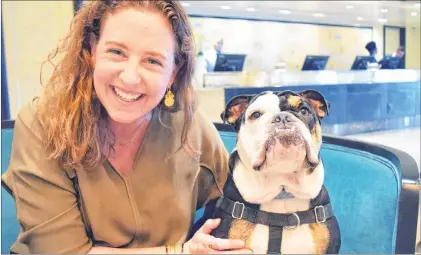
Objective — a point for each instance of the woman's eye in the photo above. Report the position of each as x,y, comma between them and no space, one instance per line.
153,61
304,111
255,115
116,52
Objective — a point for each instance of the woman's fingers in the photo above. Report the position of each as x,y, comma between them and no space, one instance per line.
242,251
203,242
219,243
201,248
226,244
209,225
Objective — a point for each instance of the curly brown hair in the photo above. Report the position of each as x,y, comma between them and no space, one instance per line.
72,116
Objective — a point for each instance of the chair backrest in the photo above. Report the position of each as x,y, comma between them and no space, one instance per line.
374,192
9,223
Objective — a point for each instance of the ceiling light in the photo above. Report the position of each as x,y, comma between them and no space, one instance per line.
250,9
417,4
384,10
318,14
185,4
349,6
360,18
284,11
225,7
414,14
382,20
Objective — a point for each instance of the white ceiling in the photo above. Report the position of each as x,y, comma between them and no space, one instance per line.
336,12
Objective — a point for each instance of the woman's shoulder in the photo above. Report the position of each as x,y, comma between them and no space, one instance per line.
202,123
27,120
28,157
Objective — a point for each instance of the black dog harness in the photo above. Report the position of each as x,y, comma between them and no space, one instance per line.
232,206
275,221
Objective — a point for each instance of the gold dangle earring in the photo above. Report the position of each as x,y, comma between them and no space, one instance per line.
169,98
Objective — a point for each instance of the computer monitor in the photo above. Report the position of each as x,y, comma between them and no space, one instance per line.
314,63
360,62
229,63
389,62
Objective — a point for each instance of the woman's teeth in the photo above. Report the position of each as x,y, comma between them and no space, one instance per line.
125,96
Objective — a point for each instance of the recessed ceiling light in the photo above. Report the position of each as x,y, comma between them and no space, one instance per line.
417,5
318,14
360,18
185,4
384,10
383,20
284,11
250,9
225,7
414,14
349,6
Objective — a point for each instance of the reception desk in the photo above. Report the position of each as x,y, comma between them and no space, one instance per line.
361,101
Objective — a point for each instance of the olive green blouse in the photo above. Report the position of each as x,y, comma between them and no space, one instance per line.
70,211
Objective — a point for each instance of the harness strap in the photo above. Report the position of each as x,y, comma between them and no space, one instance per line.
238,210
275,240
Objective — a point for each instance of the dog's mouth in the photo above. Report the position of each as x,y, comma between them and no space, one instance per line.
282,141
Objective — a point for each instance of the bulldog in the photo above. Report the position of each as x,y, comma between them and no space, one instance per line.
274,198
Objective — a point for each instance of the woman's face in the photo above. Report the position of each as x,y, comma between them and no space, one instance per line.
134,63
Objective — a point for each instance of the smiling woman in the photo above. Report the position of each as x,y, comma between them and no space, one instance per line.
115,140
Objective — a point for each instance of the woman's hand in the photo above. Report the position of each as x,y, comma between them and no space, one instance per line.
202,242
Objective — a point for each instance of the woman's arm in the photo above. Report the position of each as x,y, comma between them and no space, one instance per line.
201,243
45,198
107,250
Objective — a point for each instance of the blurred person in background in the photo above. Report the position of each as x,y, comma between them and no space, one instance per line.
212,53
400,53
371,47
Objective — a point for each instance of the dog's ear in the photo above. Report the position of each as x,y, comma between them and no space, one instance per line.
285,93
235,107
317,100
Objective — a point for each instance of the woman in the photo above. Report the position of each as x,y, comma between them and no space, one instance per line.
113,157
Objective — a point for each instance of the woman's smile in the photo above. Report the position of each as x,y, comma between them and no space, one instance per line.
126,96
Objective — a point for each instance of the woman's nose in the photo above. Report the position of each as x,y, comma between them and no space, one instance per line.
130,75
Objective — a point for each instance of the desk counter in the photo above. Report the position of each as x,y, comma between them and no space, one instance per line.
361,101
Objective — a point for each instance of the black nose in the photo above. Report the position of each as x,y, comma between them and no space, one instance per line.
282,118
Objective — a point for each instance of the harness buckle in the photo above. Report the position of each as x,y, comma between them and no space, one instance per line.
234,210
298,222
317,215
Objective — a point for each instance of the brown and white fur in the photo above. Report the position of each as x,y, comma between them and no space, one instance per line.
277,153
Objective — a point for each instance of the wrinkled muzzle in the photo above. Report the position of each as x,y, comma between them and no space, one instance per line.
285,143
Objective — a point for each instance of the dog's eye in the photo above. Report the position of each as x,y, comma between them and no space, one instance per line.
255,115
304,111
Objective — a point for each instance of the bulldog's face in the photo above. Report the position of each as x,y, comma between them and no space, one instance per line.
278,131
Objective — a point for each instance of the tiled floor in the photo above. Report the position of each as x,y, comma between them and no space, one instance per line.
407,140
